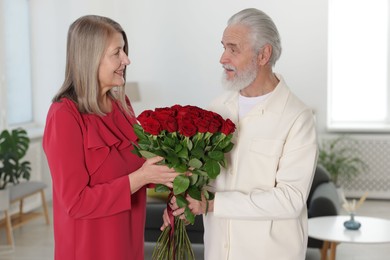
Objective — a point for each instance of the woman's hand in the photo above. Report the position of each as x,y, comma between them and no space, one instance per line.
150,172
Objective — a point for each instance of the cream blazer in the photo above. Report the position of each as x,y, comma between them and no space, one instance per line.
260,201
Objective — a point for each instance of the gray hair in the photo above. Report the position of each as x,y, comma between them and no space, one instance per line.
88,38
263,30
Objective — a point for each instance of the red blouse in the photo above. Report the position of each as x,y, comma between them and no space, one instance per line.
95,215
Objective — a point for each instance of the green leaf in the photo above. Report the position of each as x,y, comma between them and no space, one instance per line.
147,154
200,172
228,148
194,193
216,155
183,153
223,163
216,138
178,148
212,168
182,168
159,152
136,151
189,144
195,163
172,158
197,152
13,147
180,184
225,141
189,215
144,146
169,142
201,181
161,188
193,178
208,195
181,201
139,131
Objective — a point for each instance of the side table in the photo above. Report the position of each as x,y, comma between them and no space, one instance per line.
331,230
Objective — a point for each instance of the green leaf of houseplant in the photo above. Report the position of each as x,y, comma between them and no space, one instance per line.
13,147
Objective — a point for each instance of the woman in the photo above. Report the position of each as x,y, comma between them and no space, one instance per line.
99,194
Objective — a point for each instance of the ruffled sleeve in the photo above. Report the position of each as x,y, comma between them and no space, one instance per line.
102,133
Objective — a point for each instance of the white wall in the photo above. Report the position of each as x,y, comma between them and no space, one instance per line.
175,47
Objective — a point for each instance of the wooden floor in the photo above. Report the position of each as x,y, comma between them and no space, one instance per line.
34,241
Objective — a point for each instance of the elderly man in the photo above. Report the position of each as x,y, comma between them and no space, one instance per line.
259,209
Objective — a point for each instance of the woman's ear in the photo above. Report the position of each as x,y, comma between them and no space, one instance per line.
264,54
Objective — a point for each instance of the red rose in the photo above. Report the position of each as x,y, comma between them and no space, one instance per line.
144,115
170,125
193,111
218,117
228,127
165,110
167,122
187,128
202,125
176,107
214,126
151,126
206,115
181,113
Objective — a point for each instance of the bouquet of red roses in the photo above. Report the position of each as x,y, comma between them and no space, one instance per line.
190,139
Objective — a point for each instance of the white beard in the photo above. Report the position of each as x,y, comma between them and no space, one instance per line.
242,79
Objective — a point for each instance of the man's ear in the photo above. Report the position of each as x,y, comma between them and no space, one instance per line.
265,54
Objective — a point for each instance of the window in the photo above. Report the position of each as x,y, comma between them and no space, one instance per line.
16,108
358,96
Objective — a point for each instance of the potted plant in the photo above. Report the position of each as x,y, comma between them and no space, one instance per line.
13,147
340,160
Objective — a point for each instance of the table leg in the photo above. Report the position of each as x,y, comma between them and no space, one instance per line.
324,250
333,250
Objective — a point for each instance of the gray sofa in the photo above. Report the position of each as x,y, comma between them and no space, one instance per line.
323,200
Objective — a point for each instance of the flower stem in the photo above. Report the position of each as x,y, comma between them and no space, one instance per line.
176,247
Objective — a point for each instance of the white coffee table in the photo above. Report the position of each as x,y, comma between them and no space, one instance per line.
332,231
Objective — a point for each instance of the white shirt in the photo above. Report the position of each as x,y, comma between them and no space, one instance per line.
245,104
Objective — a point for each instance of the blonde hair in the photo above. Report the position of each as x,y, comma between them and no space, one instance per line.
88,38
